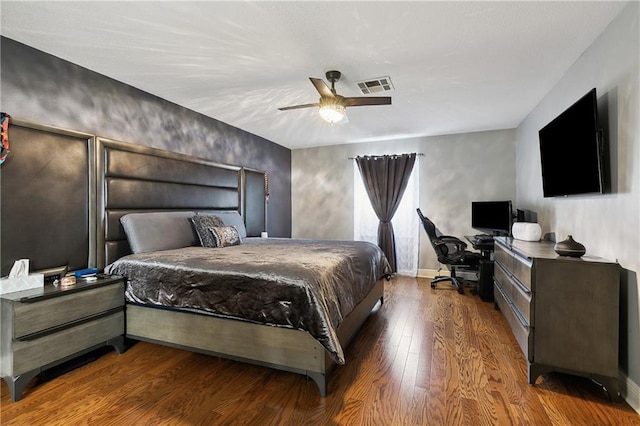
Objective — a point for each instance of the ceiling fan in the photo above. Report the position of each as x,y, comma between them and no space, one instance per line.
331,105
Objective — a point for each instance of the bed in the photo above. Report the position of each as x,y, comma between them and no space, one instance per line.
286,304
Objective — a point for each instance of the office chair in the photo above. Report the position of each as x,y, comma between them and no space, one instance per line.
451,252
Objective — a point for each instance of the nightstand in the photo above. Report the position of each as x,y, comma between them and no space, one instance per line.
47,326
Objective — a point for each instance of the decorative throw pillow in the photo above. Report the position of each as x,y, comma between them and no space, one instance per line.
234,219
224,236
202,223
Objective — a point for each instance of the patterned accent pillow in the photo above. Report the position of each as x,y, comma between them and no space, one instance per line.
202,223
225,236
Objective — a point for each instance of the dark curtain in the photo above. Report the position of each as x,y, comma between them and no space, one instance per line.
385,179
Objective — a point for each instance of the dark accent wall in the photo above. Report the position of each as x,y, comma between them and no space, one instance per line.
42,88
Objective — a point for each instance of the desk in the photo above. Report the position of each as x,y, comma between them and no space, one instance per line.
485,268
484,246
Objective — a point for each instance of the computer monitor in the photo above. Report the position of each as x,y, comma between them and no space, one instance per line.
492,217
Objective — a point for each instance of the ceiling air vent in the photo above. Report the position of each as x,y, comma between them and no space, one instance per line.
377,85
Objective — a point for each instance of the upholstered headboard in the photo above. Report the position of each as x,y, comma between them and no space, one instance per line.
46,205
134,178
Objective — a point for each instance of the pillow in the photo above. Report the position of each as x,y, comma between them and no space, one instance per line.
224,236
202,223
234,219
158,231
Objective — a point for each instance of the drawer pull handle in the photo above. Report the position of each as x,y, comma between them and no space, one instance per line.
78,287
39,334
514,279
504,269
521,286
521,319
513,308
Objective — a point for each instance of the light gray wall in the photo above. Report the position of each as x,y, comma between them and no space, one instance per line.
608,225
455,170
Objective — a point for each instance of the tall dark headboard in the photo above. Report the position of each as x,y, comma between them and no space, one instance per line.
255,213
62,194
135,178
47,209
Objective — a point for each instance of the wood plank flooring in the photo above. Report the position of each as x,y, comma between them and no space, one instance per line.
426,357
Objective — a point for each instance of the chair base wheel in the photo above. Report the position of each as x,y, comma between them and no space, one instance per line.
453,280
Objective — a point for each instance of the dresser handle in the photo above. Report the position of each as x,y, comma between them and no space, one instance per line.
58,328
521,286
514,279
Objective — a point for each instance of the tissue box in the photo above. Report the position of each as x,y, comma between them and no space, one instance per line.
11,285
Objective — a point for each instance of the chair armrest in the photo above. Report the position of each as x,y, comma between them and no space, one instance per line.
449,249
452,240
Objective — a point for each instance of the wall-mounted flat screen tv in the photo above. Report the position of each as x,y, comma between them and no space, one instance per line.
571,151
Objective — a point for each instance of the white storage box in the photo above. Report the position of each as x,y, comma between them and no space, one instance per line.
526,231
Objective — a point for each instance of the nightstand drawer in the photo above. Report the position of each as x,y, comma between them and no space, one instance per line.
41,315
32,354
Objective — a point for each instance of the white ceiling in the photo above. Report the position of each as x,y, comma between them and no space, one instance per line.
456,66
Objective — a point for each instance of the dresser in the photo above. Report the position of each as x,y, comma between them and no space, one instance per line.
44,327
562,311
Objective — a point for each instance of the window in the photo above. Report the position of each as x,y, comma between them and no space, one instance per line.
405,221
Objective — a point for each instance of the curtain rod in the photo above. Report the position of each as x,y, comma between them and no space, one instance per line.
419,154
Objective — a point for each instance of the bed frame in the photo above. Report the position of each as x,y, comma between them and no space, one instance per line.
134,178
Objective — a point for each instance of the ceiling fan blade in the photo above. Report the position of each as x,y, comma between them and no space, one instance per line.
298,107
321,87
364,101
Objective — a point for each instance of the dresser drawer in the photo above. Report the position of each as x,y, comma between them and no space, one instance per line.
522,302
32,354
502,256
514,265
38,316
522,271
520,331
519,295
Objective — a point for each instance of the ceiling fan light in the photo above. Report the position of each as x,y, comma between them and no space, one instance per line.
332,113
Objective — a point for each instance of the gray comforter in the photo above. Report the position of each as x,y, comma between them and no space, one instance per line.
302,284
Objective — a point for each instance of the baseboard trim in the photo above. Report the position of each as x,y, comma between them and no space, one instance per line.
431,273
630,392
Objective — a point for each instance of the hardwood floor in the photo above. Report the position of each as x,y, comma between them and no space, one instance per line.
426,357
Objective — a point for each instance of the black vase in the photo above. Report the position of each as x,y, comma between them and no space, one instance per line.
569,247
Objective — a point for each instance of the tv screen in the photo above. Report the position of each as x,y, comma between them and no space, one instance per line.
571,151
493,217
